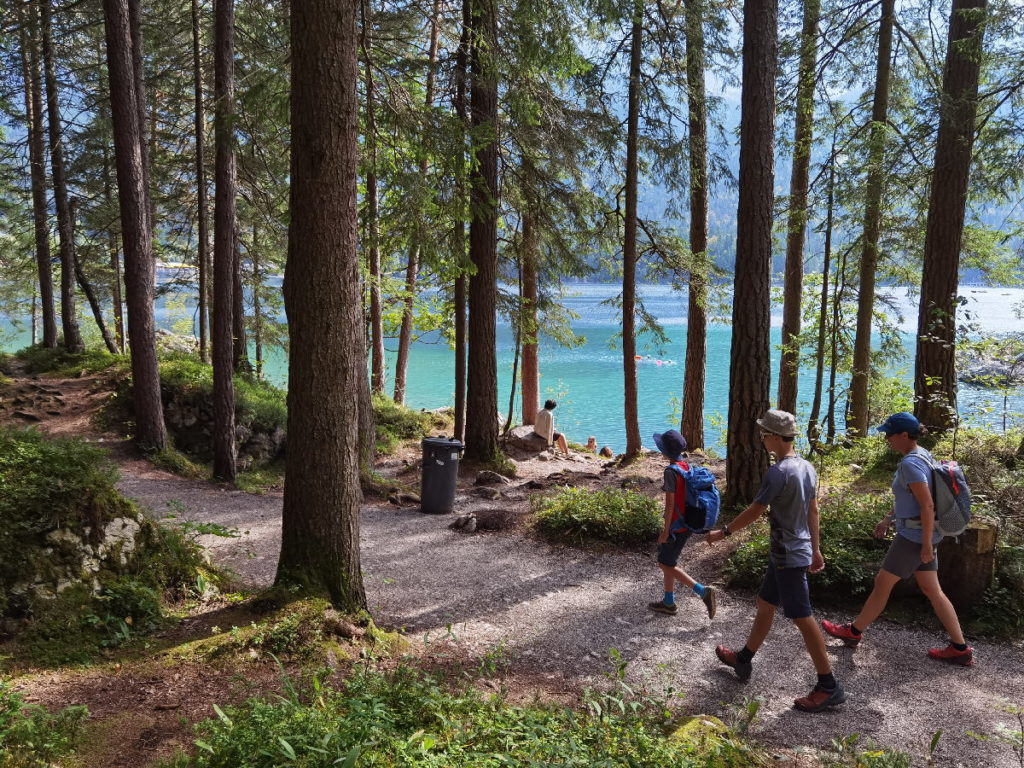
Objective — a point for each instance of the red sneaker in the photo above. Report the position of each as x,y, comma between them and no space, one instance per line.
843,632
951,655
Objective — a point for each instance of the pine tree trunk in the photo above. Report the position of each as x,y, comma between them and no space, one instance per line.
37,165
86,286
749,371
530,333
837,305
123,62
135,25
68,311
796,228
320,523
239,337
460,297
415,249
873,190
935,367
629,240
224,251
115,257
692,424
377,361
202,212
813,427
460,302
482,379
257,309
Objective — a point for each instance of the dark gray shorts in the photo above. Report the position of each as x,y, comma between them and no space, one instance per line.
668,553
904,557
787,587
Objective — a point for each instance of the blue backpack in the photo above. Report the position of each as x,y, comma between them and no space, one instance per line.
701,498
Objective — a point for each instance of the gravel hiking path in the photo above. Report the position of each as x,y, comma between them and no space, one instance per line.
553,615
556,613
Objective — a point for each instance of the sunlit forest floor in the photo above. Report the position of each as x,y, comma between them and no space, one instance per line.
541,619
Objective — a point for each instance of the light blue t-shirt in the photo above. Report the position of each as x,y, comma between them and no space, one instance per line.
915,467
787,489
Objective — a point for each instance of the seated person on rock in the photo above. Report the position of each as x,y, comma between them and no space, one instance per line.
544,425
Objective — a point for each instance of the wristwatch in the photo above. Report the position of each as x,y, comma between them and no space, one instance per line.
726,531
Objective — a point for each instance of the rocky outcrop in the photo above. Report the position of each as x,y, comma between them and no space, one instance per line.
64,557
189,420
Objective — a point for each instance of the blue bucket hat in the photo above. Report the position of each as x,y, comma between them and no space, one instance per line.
899,423
670,443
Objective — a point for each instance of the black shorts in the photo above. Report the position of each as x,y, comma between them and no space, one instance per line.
668,553
787,587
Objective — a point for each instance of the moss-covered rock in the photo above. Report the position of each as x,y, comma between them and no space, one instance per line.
68,537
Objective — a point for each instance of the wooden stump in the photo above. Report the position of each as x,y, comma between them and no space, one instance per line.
967,564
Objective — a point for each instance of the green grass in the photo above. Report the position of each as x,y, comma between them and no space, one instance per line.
396,423
578,516
60,362
32,737
404,717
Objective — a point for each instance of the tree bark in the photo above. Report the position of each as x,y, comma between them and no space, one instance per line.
224,251
460,297
320,524
68,310
629,240
135,25
116,297
202,208
749,371
86,286
692,424
935,366
482,380
377,360
813,427
239,336
415,249
837,304
796,228
37,165
530,334
257,308
123,62
874,187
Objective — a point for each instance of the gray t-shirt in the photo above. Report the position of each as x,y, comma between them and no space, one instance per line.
915,467
787,489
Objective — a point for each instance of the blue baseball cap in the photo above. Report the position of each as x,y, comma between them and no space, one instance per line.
899,423
670,443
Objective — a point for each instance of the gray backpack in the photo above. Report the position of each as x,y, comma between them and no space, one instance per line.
951,496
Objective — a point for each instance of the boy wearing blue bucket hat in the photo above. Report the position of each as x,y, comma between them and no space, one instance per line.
674,532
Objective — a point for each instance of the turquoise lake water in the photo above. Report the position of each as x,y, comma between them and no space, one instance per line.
587,380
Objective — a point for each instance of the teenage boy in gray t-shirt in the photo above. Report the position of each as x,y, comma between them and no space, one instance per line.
789,493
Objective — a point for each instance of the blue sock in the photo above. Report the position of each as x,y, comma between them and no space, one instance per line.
698,590
670,598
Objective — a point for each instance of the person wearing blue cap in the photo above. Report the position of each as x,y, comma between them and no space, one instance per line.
913,547
674,533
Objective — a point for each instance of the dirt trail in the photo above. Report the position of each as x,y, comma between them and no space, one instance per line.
556,614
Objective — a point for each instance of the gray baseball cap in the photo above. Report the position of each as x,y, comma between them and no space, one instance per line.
778,422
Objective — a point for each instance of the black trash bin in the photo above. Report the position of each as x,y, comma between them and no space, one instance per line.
440,471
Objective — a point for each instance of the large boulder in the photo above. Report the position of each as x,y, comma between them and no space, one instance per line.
525,439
